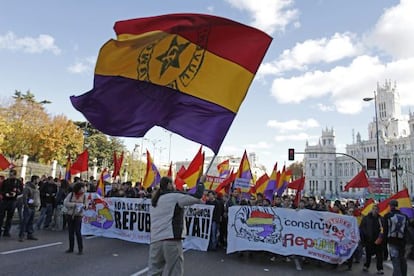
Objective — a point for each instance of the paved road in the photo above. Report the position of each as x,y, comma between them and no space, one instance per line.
105,256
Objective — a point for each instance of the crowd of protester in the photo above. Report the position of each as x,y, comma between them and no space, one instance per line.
47,195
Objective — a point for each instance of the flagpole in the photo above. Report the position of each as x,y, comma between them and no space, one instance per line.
211,163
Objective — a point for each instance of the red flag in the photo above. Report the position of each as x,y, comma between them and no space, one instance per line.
226,183
81,164
298,185
4,163
117,164
179,183
169,173
359,181
194,170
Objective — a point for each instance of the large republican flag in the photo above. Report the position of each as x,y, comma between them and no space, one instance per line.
188,73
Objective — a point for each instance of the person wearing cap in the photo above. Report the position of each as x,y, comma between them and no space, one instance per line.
396,232
167,217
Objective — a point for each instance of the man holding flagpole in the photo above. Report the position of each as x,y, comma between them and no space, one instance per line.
167,217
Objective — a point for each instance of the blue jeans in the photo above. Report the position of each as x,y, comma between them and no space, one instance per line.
399,262
45,215
213,236
27,222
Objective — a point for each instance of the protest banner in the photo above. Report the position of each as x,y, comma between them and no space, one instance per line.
325,236
129,219
116,217
198,219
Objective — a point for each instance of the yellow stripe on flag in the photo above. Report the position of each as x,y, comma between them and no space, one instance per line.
173,61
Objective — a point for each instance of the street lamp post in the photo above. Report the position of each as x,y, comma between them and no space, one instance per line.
397,170
154,142
376,130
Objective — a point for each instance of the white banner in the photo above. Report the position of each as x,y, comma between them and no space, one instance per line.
198,219
325,236
129,219
117,217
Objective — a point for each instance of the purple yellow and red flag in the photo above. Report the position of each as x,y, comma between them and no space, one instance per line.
404,204
225,185
152,175
105,175
188,73
244,168
369,204
224,168
194,170
283,182
271,184
260,185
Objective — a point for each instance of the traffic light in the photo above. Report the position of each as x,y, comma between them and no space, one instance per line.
291,154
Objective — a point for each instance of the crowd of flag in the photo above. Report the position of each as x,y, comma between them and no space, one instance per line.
187,178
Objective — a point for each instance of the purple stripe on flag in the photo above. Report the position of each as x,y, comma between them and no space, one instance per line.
120,106
408,211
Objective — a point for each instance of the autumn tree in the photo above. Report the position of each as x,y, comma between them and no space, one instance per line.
31,131
100,146
296,169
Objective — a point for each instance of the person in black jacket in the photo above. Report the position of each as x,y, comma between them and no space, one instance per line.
10,189
372,237
217,216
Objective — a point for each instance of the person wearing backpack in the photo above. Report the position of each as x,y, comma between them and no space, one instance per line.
31,202
396,232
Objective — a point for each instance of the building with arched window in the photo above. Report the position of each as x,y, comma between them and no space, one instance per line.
327,171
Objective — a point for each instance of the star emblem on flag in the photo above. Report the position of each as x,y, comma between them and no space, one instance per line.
172,55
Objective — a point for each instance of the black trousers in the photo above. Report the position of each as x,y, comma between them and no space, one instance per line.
7,208
377,250
74,228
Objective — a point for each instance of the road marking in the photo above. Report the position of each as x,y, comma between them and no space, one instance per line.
91,237
30,248
145,270
141,272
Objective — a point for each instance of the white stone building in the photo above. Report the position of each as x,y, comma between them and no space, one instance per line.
328,171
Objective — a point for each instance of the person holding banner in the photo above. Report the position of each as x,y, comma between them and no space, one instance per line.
167,217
